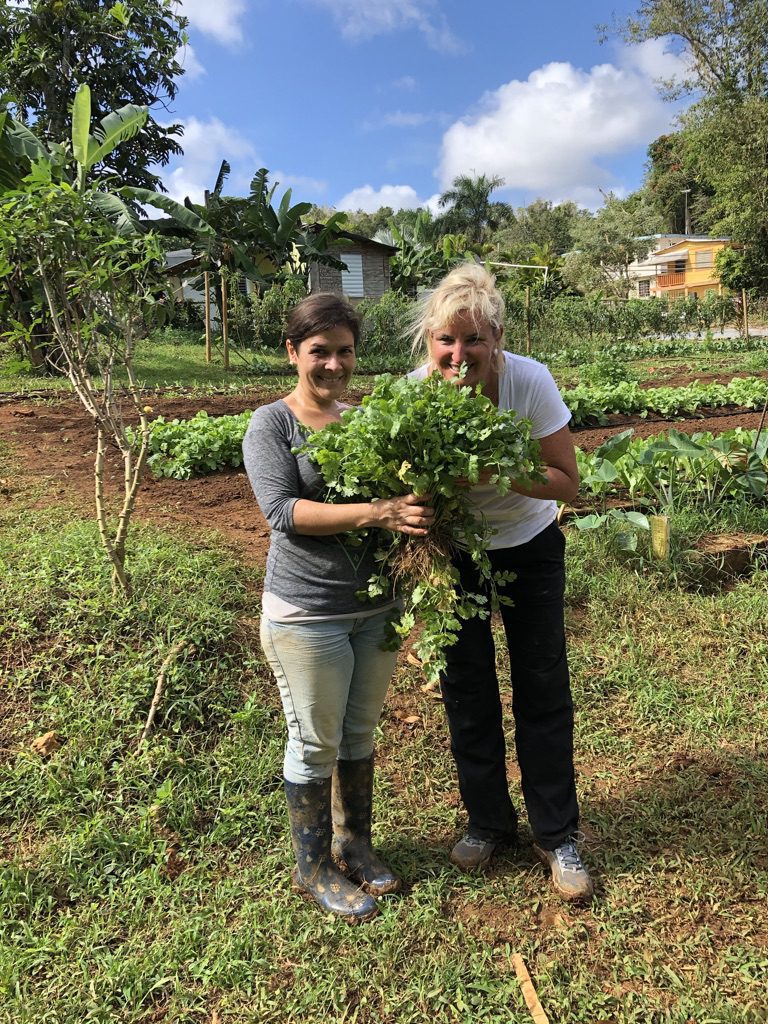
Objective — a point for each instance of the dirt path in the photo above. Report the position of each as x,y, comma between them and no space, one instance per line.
53,443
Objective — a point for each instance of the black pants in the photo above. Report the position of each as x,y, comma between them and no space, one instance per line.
541,699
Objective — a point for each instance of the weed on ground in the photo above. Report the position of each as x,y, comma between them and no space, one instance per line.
149,883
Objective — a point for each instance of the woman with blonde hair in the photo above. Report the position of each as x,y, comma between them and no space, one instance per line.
461,327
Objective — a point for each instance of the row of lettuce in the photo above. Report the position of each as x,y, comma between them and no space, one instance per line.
182,449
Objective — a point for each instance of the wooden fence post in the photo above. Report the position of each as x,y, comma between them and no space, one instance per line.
745,311
224,323
207,279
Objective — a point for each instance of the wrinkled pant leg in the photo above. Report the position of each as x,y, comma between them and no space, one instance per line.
371,675
471,696
313,664
542,704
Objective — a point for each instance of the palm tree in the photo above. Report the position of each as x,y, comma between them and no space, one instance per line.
470,209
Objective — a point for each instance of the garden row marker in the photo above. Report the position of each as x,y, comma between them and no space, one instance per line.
660,536
529,992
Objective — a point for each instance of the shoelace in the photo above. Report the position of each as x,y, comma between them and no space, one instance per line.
569,858
473,841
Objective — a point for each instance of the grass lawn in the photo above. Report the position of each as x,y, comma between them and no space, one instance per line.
144,885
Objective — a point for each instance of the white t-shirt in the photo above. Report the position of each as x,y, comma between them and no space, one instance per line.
528,388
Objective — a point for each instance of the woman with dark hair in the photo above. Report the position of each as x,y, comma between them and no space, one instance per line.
461,327
324,646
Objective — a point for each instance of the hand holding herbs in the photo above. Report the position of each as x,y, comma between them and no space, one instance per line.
431,438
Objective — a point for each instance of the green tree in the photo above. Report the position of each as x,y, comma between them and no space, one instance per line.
607,243
725,131
726,41
369,223
672,176
540,223
127,51
470,209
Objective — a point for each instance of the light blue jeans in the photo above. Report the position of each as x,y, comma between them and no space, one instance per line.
333,677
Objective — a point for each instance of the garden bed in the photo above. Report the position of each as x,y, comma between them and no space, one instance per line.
55,442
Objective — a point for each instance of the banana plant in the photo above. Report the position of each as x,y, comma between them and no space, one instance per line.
26,160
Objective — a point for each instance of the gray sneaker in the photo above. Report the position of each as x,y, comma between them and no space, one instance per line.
569,876
472,853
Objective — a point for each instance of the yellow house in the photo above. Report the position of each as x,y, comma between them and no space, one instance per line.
683,269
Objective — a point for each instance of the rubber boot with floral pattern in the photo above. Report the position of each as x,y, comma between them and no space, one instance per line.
309,810
352,808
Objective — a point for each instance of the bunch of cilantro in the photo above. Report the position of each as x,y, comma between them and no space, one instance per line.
434,438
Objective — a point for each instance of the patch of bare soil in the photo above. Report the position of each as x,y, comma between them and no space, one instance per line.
682,376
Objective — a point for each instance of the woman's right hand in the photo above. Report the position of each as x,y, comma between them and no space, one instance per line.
408,513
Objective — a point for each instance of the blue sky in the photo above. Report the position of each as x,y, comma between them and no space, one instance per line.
361,103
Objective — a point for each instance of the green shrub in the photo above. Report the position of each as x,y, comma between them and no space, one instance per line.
385,327
269,310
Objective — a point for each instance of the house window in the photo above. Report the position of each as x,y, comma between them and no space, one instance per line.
643,289
352,277
678,267
704,258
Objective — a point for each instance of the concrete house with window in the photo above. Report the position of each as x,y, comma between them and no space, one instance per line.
679,269
367,268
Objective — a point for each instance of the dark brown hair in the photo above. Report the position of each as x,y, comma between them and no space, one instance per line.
320,312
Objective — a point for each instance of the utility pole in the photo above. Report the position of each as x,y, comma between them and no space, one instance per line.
685,192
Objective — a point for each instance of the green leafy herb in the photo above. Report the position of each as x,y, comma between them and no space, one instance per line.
433,438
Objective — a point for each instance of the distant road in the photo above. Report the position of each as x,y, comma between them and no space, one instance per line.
730,332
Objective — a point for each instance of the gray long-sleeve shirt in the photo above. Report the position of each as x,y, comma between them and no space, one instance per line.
319,575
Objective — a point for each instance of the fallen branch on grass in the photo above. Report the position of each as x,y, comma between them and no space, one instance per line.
529,992
172,655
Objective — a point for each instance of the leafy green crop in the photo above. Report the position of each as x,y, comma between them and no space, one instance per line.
596,403
185,448
434,438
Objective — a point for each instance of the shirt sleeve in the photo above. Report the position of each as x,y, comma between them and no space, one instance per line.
272,468
547,411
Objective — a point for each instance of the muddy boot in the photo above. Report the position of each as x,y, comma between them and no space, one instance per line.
309,810
352,806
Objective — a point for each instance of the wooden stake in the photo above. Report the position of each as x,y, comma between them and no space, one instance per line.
745,311
224,322
527,319
529,992
660,537
207,279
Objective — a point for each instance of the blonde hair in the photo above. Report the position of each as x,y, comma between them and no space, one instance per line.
468,289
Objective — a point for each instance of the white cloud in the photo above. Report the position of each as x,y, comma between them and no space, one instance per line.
407,83
187,57
402,119
655,61
369,199
221,19
300,183
547,134
365,19
206,144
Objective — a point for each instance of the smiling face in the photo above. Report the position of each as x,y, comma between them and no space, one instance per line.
466,340
325,362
